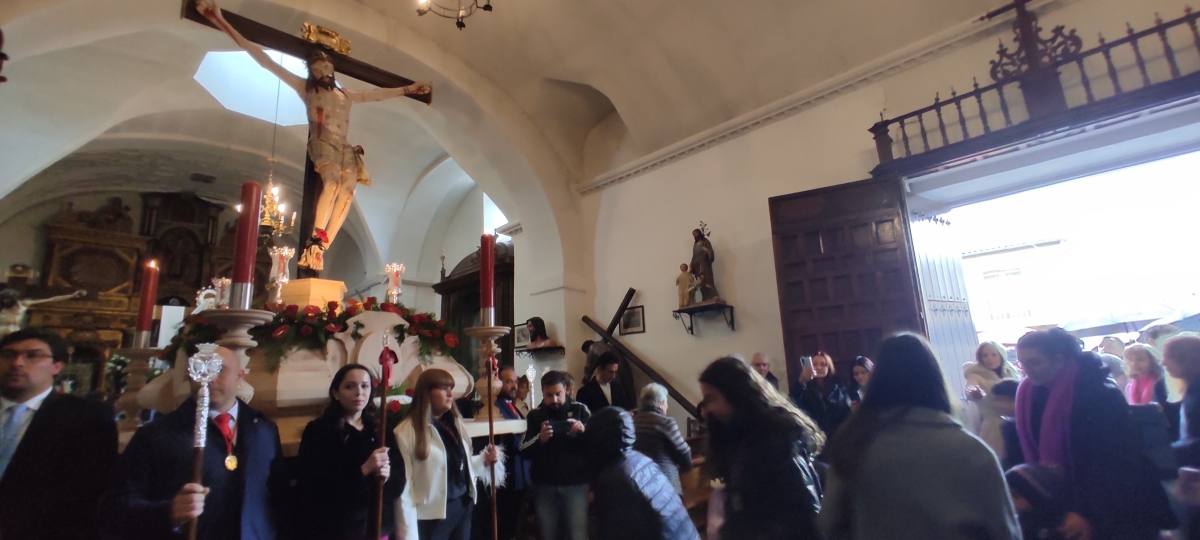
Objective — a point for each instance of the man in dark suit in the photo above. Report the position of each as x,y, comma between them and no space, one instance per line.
56,451
604,389
154,497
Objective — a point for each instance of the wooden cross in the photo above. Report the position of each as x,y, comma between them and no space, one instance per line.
608,336
279,40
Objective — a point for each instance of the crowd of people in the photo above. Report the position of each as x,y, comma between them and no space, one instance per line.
1048,446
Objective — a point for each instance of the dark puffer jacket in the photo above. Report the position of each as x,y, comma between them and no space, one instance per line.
633,499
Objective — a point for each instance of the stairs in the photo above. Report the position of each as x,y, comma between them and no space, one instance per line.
696,486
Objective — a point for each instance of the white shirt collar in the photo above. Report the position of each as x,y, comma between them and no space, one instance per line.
34,403
233,412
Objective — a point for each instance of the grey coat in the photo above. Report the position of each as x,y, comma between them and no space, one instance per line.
924,476
658,437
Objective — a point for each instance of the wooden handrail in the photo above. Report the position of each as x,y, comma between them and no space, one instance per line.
642,365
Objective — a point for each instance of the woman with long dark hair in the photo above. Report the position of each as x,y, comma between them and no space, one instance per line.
761,446
1070,415
340,460
902,439
439,494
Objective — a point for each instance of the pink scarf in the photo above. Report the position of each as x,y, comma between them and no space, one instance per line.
1140,389
1053,444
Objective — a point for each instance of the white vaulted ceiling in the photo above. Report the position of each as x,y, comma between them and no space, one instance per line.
530,100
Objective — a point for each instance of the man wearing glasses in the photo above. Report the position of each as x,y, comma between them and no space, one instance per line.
56,451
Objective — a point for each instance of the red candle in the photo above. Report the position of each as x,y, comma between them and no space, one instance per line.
487,267
149,294
246,247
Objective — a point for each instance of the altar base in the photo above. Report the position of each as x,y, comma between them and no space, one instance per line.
313,292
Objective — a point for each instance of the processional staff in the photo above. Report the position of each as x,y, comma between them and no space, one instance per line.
387,357
203,367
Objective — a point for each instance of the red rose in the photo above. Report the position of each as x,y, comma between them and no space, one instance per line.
389,307
370,303
408,392
420,318
451,340
291,311
331,308
393,407
306,330
332,328
312,312
279,331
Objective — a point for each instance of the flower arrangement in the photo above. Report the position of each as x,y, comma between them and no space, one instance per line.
311,327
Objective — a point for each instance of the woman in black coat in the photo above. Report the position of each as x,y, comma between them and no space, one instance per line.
761,446
821,395
340,461
1070,415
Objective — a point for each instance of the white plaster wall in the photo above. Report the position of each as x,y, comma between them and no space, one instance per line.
642,226
462,236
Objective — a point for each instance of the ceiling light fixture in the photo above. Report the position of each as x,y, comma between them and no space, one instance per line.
458,10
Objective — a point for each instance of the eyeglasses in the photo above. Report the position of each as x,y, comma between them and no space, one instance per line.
9,355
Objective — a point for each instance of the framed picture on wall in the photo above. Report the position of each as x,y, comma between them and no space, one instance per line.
633,321
520,336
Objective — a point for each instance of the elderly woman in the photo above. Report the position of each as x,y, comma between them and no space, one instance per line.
658,435
1071,416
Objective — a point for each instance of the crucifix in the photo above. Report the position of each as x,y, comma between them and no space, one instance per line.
334,167
608,336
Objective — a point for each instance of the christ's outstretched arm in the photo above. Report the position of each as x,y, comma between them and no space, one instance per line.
212,12
380,94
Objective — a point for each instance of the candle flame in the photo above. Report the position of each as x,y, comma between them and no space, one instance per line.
238,207
152,264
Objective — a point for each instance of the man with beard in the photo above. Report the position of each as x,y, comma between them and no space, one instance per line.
510,497
155,497
339,164
56,451
555,447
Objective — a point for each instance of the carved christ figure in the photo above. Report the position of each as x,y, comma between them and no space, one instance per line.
337,162
13,308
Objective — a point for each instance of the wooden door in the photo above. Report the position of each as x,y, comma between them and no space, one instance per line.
844,268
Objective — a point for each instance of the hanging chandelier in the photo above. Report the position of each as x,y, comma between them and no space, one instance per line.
458,10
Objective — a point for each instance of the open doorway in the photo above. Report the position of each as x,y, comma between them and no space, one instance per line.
1108,254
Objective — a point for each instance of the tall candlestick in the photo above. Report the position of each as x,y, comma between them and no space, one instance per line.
245,250
487,268
145,319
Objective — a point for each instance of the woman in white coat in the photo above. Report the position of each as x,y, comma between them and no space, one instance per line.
984,411
440,472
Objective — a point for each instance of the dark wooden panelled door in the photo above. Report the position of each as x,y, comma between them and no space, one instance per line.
844,267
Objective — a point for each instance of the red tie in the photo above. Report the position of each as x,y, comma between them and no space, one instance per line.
226,432
512,407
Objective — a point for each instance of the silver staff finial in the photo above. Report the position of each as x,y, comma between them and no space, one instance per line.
203,367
